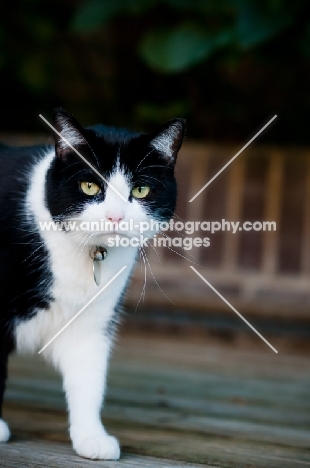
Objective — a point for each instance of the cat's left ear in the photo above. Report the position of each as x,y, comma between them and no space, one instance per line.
71,133
168,140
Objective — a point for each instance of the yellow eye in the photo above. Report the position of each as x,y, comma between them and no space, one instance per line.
140,191
90,188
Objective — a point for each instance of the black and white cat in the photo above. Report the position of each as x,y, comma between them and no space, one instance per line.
46,277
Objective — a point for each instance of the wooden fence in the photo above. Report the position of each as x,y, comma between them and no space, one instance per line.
257,271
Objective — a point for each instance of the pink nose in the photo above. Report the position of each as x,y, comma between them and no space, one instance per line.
115,217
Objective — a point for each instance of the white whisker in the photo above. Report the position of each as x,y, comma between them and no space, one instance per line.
144,284
178,253
149,243
155,278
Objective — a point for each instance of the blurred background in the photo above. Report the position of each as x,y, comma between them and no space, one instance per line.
189,379
227,66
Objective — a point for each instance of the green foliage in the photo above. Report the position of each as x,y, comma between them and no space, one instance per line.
94,14
256,24
224,64
175,50
196,30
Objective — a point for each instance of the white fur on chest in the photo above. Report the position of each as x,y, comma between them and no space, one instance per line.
73,283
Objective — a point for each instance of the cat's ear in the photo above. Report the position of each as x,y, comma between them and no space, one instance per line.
168,140
70,132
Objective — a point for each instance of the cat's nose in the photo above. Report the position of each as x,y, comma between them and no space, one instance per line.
115,217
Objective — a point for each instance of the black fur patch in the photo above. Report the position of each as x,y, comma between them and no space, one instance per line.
26,277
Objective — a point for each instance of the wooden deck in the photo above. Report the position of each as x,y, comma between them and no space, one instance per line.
173,401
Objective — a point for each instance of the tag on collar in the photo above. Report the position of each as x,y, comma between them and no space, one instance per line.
98,254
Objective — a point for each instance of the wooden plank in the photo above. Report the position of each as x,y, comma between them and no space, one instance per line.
306,232
274,296
197,175
55,455
172,402
272,213
235,191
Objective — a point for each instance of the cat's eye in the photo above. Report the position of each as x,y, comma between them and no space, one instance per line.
140,191
90,188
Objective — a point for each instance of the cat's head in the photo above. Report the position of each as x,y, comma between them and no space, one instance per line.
117,177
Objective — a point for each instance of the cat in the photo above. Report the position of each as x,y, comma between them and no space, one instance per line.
46,276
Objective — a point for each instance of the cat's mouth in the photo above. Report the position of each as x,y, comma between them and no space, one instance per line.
111,239
112,235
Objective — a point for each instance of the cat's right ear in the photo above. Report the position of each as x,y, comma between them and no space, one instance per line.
168,140
69,133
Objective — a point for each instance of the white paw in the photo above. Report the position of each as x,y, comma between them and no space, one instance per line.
101,447
4,431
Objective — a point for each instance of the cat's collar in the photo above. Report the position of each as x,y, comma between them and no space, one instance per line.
97,253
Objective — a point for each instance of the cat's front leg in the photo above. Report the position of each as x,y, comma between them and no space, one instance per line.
4,431
4,428
83,361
